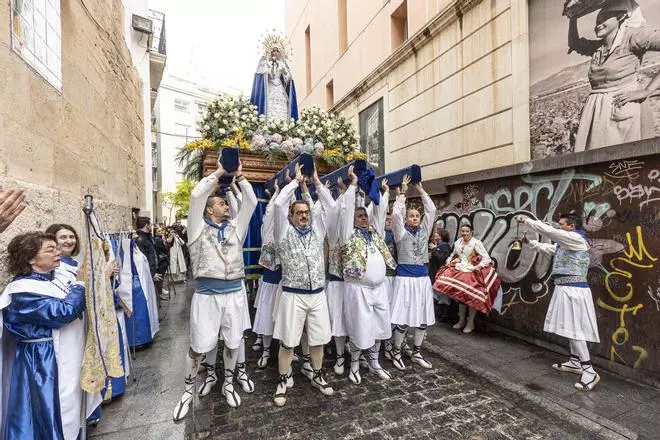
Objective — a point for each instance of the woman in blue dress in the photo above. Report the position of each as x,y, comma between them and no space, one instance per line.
39,312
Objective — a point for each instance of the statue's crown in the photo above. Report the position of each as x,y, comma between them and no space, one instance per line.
274,40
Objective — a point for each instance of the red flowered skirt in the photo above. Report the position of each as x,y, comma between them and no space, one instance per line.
475,289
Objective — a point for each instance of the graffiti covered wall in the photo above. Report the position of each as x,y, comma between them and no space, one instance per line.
620,203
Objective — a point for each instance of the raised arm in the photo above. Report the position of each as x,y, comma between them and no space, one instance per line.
379,212
346,219
569,240
198,197
328,212
429,209
281,210
233,204
582,46
268,223
246,208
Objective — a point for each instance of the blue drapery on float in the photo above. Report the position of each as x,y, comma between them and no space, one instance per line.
252,244
258,97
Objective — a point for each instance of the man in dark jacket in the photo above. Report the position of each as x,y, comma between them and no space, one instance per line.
145,242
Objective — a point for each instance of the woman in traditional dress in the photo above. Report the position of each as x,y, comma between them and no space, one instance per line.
470,278
616,110
43,313
412,297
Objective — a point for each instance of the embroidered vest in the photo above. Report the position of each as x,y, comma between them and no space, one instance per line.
302,260
391,245
268,257
213,259
356,252
567,262
413,249
335,266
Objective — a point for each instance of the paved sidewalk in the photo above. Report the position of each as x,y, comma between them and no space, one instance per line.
616,407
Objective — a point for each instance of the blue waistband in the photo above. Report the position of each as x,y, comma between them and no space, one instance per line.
301,291
215,286
570,280
271,276
332,277
412,270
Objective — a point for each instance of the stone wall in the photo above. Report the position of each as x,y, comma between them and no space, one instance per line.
455,95
88,137
620,201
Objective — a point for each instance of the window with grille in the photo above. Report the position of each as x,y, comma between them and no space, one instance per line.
36,36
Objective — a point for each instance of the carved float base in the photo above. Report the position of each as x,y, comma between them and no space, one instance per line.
256,167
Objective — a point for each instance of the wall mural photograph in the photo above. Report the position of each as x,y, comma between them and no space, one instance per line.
372,136
594,74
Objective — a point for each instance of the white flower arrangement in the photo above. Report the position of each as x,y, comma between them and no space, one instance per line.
233,121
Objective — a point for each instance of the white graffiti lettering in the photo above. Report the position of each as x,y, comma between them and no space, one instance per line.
642,193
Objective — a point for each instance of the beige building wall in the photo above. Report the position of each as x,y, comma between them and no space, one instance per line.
455,93
59,145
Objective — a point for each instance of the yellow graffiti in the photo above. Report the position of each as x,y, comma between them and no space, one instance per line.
640,253
635,256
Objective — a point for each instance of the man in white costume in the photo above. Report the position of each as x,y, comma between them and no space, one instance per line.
218,304
303,302
365,258
571,312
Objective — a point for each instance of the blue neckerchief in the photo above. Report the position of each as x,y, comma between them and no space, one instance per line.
413,230
221,228
303,231
365,232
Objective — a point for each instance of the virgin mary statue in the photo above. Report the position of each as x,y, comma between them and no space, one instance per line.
273,90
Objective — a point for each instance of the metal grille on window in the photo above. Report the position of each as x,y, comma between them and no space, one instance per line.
36,37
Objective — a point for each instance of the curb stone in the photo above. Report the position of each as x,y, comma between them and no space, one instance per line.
597,425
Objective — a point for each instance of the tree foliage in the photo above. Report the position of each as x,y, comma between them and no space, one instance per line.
180,198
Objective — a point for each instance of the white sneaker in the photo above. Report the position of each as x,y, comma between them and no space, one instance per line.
280,391
243,379
319,383
339,365
183,405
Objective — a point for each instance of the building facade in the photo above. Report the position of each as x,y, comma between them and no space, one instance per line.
76,100
177,111
487,97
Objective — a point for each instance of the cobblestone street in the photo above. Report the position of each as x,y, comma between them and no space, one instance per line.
446,402
418,404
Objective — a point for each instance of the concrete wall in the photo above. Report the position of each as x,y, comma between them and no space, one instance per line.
455,95
89,137
620,200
